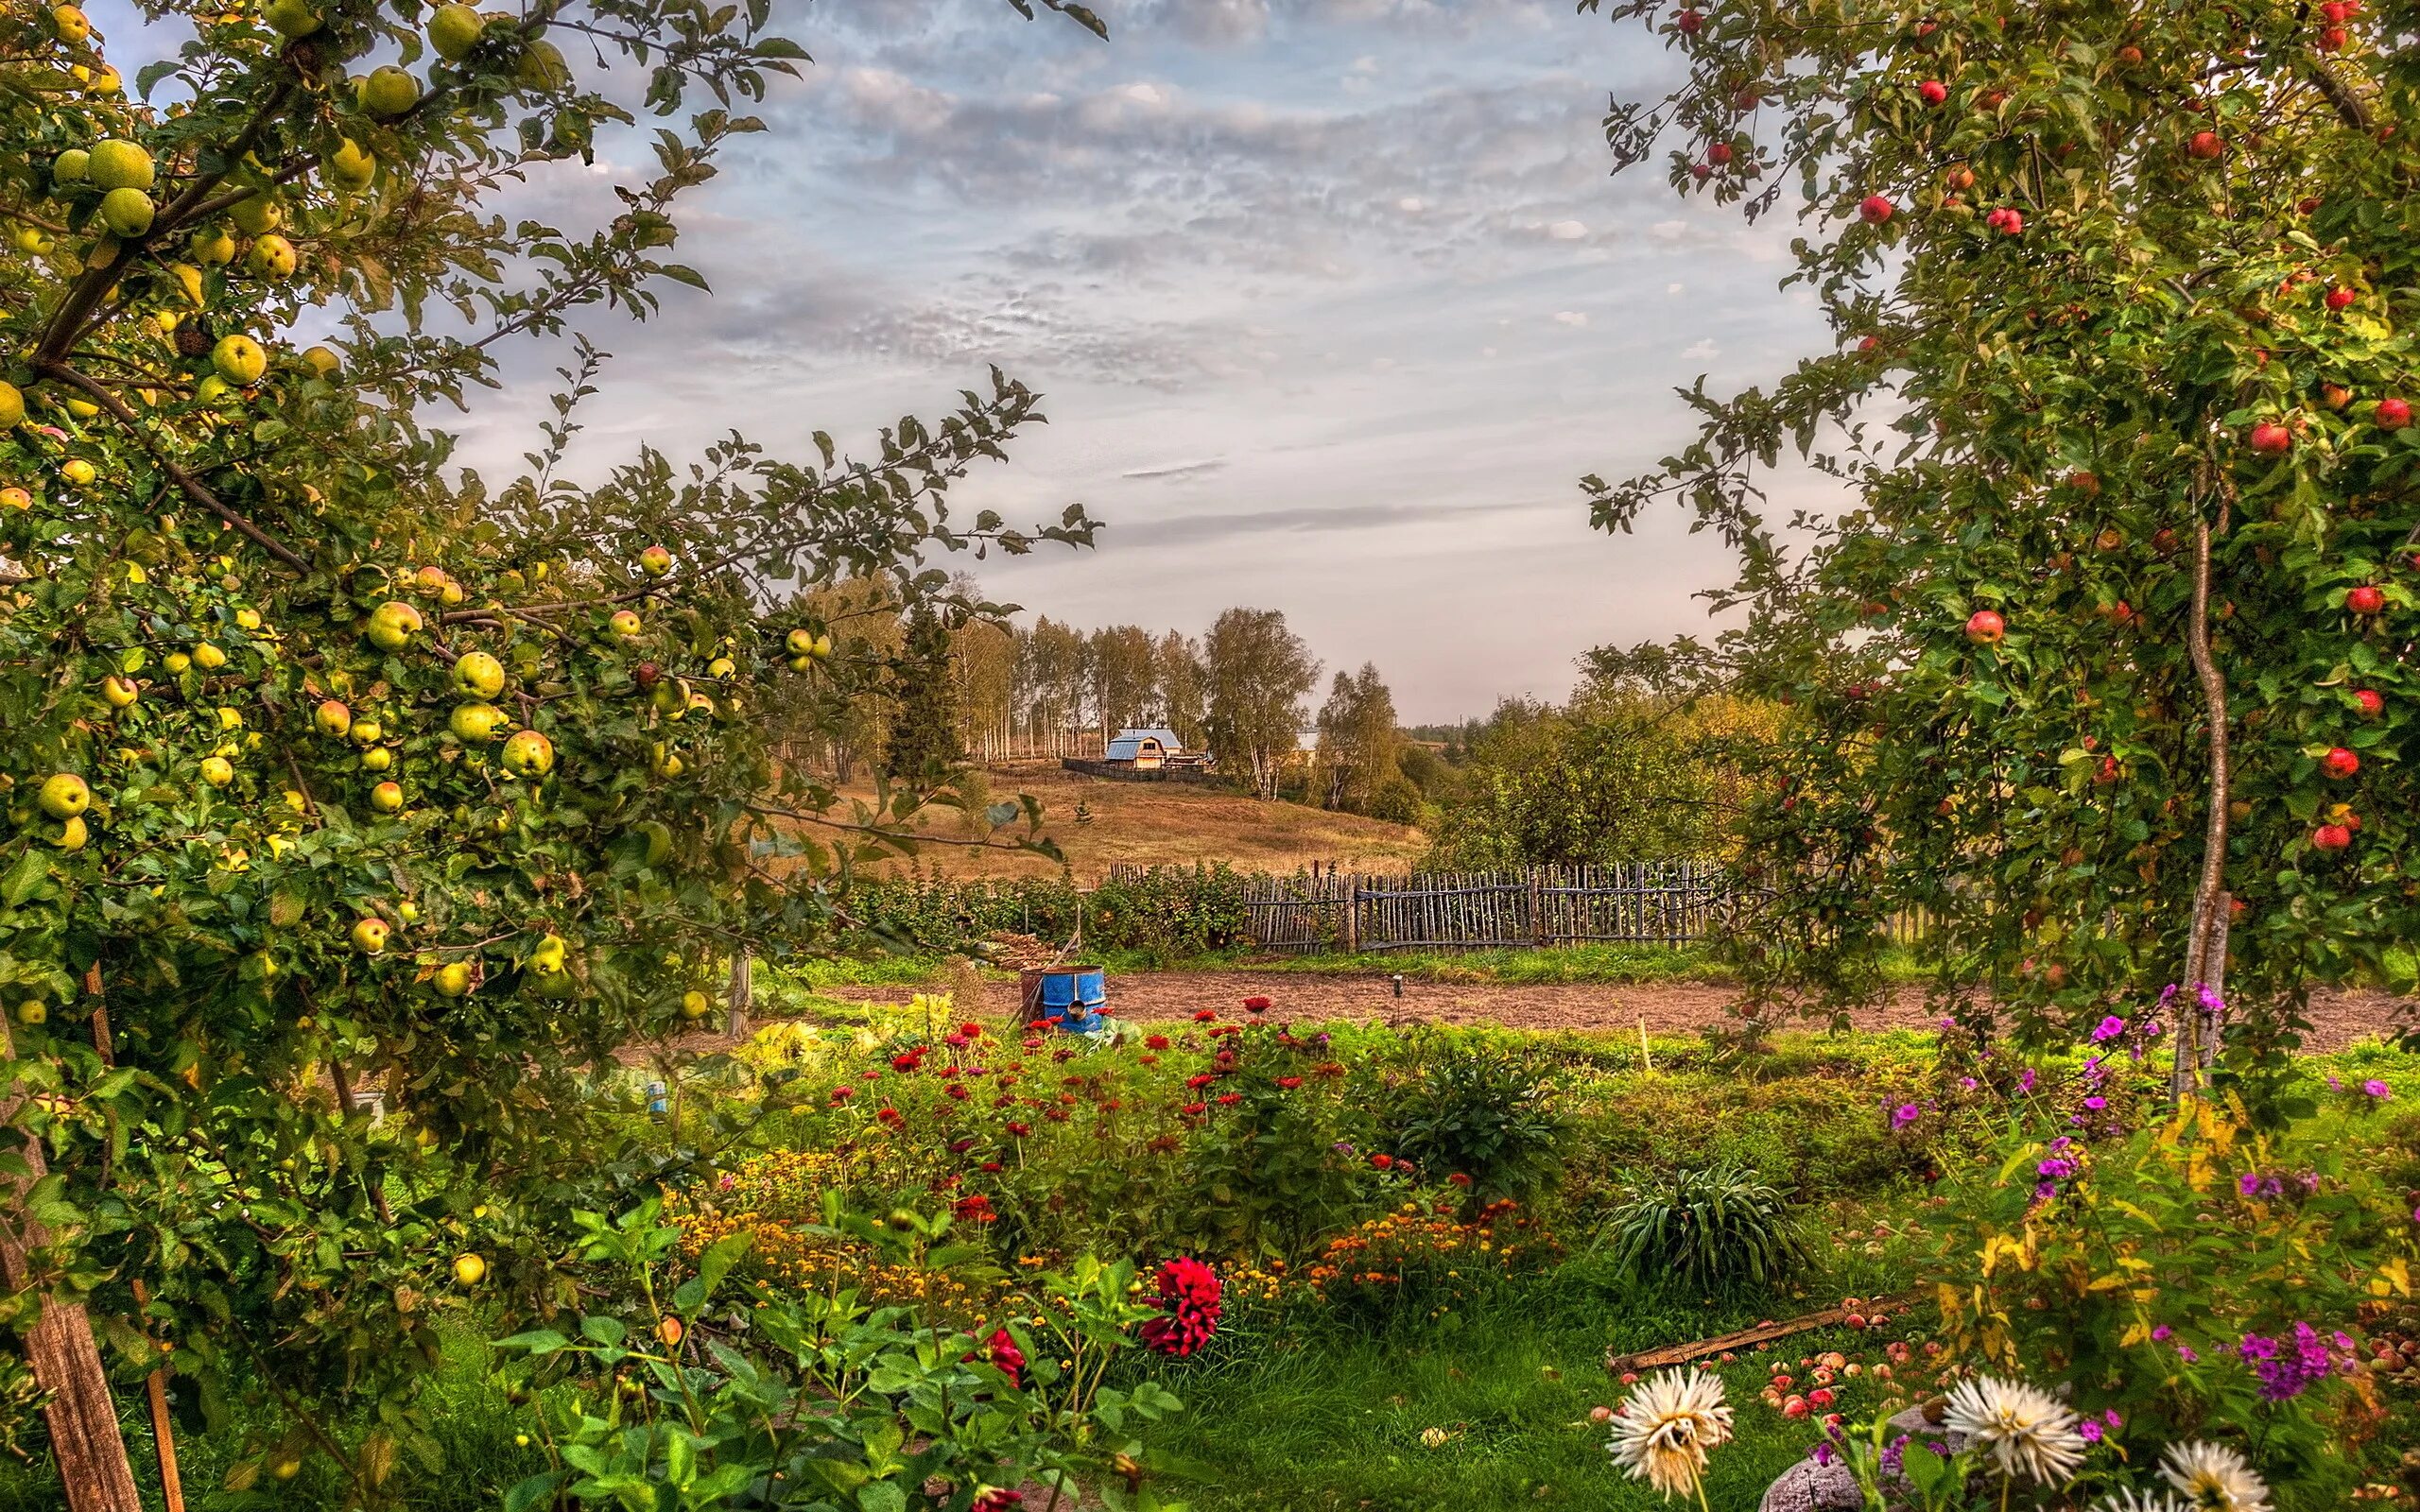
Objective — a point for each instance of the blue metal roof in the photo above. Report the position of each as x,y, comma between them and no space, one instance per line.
1128,743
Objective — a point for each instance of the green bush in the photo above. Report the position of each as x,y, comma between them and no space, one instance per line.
1166,912
1709,1228
1482,1109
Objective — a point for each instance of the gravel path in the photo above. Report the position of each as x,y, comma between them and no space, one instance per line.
2339,1018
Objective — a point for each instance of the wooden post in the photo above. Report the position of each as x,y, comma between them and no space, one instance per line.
1539,933
84,1437
1352,894
742,995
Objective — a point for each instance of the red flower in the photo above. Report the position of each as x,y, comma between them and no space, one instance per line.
1205,1016
1001,1349
1030,1044
1157,1041
972,1030
1230,1099
1383,1160
1199,1081
906,1062
975,1209
998,1500
1194,1108
1288,1083
1148,1061
993,1166
961,1146
844,1093
1020,1131
1189,1293
892,1117
1459,1178
1255,1004
958,1090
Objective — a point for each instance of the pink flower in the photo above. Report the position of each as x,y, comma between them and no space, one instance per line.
1190,1295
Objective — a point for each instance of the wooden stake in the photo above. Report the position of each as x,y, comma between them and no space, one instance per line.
84,1436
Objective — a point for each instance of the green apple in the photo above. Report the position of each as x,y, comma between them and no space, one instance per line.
624,624
64,796
118,692
127,212
391,626
453,979
369,936
377,759
655,561
31,1011
542,67
721,666
470,1269
217,771
176,662
478,674
454,30
322,360
529,754
72,833
473,723
213,246
208,657
257,214
694,1005
332,717
291,18
272,257
366,731
350,167
239,360
70,166
116,164
387,92
386,797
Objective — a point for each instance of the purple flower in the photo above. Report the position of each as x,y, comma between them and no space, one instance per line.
2248,1184
2056,1169
2159,1334
2374,1087
2095,1104
2088,1431
2334,1083
1824,1453
2185,1352
2112,1418
2108,1029
2026,1082
1967,1083
2045,1191
2287,1369
1905,1114
1894,1453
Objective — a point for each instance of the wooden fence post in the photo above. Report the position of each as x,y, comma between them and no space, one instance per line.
1538,924
84,1436
1351,892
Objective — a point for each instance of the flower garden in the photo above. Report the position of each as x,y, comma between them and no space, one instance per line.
1362,1267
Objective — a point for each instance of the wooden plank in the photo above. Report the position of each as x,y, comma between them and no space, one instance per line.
1749,1338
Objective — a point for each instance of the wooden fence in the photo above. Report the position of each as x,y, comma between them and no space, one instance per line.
1665,902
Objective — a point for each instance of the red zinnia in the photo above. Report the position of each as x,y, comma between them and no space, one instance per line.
892,1117
1189,1293
844,1093
972,1031
1204,1016
975,1209
1255,1004
1157,1041
1383,1160
998,1500
1191,1109
1230,1099
1459,1178
1199,1080
1020,1131
958,1090
1289,1083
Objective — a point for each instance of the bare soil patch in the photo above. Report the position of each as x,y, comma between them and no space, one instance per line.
2339,1018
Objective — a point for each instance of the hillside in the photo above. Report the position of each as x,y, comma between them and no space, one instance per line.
1164,824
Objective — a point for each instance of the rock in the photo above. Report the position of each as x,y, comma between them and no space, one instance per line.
1812,1487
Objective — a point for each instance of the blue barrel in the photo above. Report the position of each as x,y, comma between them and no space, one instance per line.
1070,997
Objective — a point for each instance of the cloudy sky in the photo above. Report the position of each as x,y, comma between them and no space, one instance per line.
1331,302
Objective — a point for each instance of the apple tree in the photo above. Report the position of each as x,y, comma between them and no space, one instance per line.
341,782
2105,662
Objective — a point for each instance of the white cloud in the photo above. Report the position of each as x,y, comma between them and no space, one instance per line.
1410,204
1570,318
1567,230
1670,231
1675,287
1702,349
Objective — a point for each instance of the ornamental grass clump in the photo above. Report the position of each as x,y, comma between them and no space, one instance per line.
1709,1228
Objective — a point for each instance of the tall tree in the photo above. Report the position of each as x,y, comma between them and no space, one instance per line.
1183,687
921,747
1258,672
1056,661
1123,684
1357,741
2111,664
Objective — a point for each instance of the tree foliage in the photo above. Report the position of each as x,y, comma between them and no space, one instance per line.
1257,672
336,769
2122,290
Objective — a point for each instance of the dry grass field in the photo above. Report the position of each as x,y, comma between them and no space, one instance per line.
1172,823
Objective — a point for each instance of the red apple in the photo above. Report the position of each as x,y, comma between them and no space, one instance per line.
2332,38
2331,837
1984,628
2272,440
2088,484
1876,209
2364,599
2340,297
1701,172
2206,145
2340,762
1690,22
2336,396
2392,414
1934,91
2372,704
1869,344
1717,153
2130,55
2109,773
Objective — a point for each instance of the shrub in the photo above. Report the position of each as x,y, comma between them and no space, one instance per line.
1480,1109
1709,1228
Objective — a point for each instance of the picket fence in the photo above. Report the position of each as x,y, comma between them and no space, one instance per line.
1661,902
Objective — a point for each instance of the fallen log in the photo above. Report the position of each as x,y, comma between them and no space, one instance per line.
1830,1317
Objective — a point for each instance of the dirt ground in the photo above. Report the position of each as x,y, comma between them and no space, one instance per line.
2339,1018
